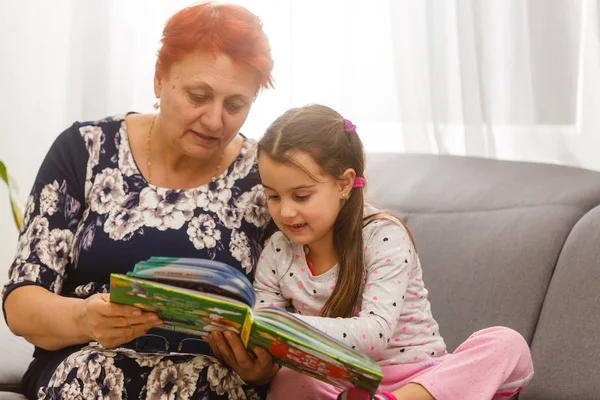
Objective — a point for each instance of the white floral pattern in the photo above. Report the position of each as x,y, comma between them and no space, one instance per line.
29,208
203,233
23,250
121,224
49,198
107,192
222,381
71,390
93,139
126,162
212,200
167,209
54,250
242,167
254,203
92,213
36,232
231,217
239,249
172,381
28,273
91,372
144,359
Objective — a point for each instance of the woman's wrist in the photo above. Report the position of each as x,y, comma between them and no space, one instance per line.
267,380
77,332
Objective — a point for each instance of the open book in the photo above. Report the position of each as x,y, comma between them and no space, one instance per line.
197,296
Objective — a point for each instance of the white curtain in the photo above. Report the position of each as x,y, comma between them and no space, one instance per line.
510,79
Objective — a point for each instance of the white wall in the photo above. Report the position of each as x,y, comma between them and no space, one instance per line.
69,60
509,79
34,45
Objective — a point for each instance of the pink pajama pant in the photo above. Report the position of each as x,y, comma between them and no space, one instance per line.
493,363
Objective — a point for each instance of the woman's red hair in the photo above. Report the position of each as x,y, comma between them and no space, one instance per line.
218,28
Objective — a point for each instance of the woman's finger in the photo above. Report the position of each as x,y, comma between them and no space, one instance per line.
101,304
131,332
215,348
113,337
224,349
239,351
121,322
264,360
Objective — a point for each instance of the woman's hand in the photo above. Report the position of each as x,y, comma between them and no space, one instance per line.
114,324
256,368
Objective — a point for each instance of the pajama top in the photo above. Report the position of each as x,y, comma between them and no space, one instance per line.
392,320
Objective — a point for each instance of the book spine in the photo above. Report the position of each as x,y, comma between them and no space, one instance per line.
247,328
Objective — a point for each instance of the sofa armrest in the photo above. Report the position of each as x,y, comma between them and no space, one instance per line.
16,354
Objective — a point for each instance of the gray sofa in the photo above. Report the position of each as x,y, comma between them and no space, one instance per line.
501,243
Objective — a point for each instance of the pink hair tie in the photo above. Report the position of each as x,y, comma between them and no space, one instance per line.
349,126
359,182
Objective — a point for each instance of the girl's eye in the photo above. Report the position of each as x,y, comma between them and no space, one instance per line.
302,198
272,197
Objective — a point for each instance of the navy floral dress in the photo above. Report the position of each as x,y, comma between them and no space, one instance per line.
90,213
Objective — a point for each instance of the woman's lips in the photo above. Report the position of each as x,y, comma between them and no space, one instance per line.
203,139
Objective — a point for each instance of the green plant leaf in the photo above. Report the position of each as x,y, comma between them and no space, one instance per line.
3,173
13,195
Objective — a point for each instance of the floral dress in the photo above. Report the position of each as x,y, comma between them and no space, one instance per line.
91,213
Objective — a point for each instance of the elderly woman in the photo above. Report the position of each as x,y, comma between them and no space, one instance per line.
183,183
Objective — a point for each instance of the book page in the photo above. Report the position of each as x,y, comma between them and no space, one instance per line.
197,274
181,309
298,346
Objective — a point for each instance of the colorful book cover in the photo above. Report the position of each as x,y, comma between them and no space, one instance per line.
196,296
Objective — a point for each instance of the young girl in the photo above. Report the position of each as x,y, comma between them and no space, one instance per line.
353,272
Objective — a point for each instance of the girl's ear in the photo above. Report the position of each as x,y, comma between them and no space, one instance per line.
346,181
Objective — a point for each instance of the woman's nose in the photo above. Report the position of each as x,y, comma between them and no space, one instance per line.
212,117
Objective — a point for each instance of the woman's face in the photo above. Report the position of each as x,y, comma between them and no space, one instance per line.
204,101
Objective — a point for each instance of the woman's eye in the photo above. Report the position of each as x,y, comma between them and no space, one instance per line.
272,197
234,107
198,98
302,198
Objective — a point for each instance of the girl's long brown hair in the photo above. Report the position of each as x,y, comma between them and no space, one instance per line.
319,132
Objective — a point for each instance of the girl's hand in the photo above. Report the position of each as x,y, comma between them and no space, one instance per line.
114,324
256,368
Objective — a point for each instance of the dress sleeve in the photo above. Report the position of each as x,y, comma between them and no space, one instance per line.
52,214
267,278
389,258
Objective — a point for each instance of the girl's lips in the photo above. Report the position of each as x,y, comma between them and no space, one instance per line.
296,228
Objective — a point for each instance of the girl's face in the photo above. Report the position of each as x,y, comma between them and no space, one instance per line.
303,208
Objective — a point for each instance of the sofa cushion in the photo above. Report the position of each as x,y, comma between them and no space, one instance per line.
444,183
565,346
489,234
488,268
